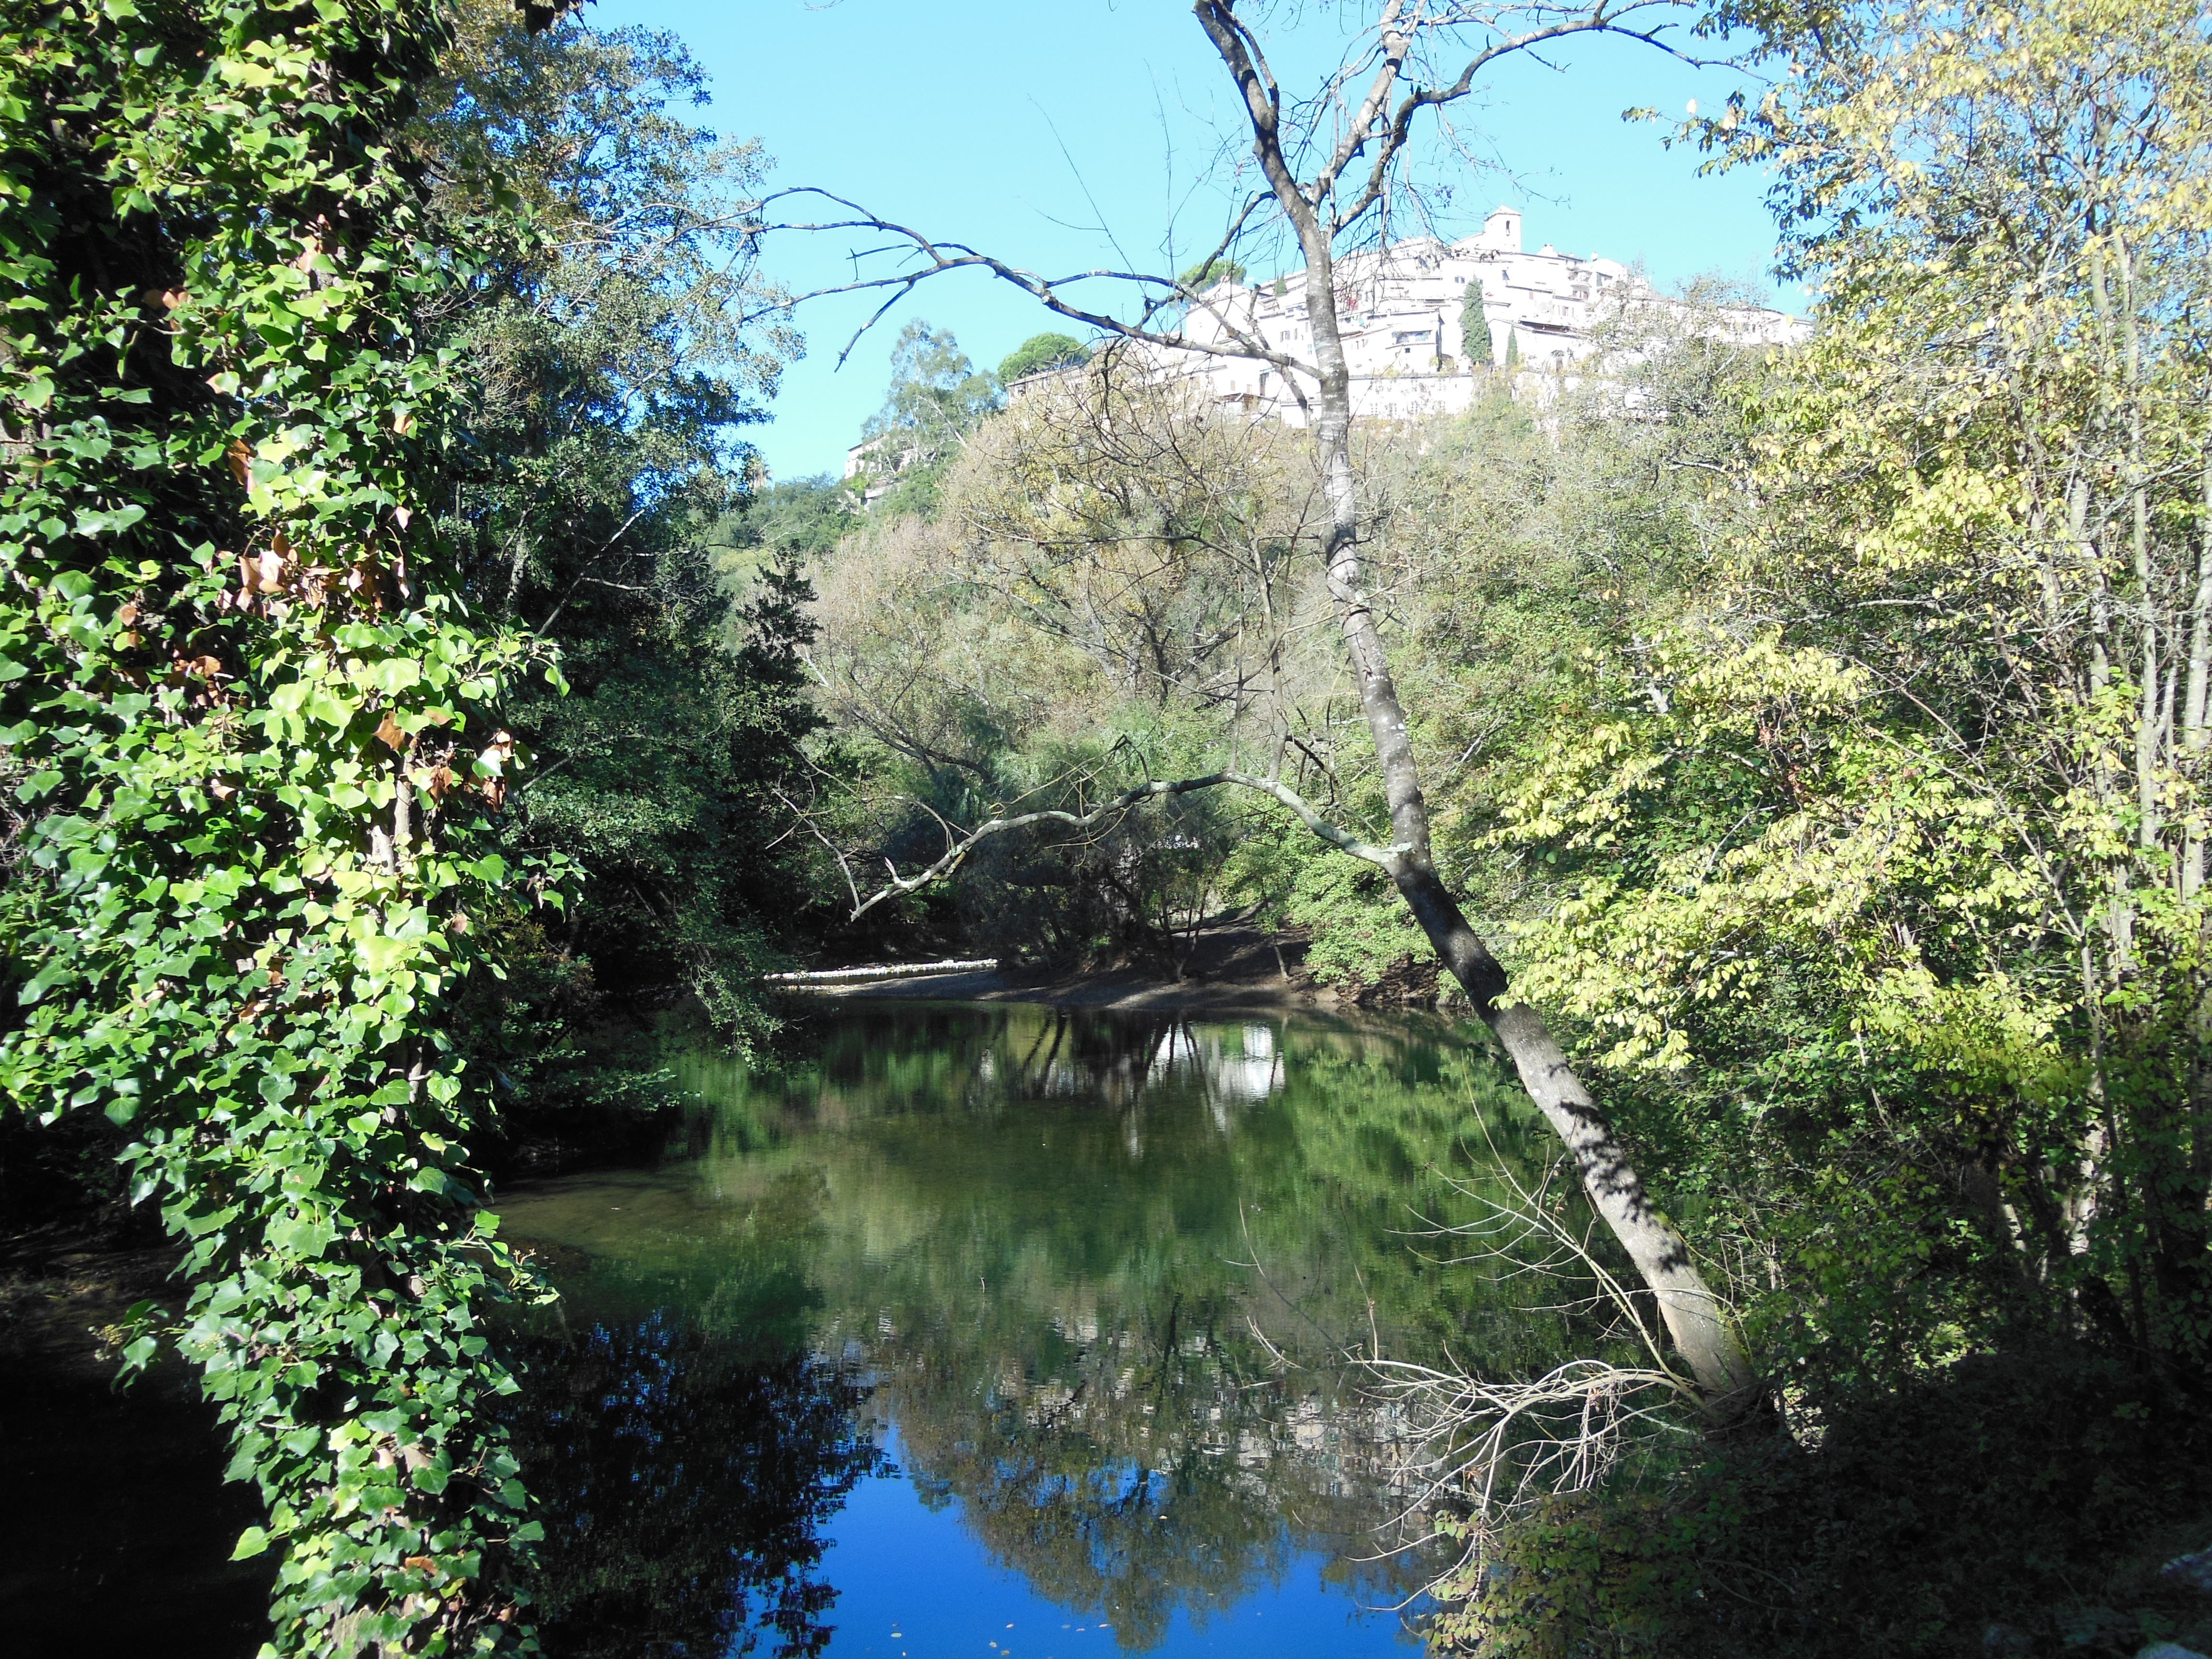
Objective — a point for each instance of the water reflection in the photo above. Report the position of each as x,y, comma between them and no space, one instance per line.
686,1483
1094,1276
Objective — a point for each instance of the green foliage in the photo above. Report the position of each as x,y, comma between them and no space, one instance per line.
1206,272
2038,1493
1069,623
1040,352
257,764
1358,927
1873,877
935,399
1994,1104
1474,341
610,387
800,521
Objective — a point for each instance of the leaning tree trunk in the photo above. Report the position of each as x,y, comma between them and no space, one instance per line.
1694,1316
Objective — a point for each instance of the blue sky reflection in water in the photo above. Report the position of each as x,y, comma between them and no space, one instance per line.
911,1582
982,1322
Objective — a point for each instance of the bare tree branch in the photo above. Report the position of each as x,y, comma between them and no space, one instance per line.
956,856
1305,204
1502,1443
939,257
1598,19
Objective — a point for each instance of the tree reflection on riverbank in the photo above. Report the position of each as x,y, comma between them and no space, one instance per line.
1101,1276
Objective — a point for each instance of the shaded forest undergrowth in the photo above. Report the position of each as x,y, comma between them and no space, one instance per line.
2016,1502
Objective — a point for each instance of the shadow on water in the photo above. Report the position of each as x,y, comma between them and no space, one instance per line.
119,1524
686,1482
1092,1280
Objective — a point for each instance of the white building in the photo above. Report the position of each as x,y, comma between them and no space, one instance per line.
1399,311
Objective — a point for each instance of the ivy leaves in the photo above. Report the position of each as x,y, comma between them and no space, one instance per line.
254,758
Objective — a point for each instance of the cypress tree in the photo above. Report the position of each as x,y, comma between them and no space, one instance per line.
1474,326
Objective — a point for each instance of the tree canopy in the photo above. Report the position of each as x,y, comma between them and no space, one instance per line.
1208,271
368,359
1040,352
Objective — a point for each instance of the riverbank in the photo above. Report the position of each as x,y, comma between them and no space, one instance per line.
1231,967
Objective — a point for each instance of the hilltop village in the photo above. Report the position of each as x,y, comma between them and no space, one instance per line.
1411,340
1403,311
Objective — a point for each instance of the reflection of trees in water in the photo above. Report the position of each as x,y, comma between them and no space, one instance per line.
1117,1061
1133,1467
686,1478
1144,1156
1106,1271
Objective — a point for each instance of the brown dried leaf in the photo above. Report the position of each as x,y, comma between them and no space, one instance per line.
392,738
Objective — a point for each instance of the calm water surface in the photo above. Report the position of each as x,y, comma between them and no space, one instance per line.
1007,1334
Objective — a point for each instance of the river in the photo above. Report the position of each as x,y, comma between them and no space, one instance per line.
1014,1334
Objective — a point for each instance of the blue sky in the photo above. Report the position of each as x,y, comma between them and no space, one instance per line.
1025,126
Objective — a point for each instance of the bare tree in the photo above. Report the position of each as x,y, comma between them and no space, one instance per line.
1326,166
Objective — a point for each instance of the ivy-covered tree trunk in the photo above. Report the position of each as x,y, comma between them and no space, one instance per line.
250,742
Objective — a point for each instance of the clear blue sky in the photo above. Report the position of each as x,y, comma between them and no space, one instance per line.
1022,126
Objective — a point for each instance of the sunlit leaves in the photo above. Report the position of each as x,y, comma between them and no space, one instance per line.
229,918
1980,502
